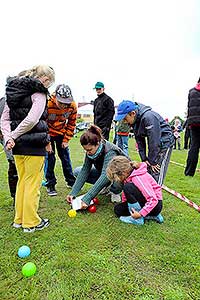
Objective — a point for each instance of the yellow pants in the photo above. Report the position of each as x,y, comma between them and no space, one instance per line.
30,173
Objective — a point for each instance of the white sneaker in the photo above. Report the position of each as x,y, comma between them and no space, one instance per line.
29,230
15,225
115,198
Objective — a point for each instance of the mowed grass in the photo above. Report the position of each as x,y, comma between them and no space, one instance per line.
95,256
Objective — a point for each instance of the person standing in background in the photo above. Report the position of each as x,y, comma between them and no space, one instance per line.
103,110
187,136
123,129
193,122
177,128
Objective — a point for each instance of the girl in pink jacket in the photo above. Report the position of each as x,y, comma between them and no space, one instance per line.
141,196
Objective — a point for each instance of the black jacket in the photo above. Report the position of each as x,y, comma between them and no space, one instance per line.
158,132
103,111
193,117
18,98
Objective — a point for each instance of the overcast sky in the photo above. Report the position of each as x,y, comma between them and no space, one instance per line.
149,50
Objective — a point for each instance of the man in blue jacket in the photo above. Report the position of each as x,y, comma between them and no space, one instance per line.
151,132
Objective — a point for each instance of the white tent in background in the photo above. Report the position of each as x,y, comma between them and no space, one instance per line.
86,109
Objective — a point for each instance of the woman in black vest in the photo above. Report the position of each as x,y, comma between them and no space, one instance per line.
25,131
99,153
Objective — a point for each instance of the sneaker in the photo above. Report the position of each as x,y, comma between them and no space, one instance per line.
43,224
115,198
105,191
159,218
15,225
131,220
29,230
44,182
52,191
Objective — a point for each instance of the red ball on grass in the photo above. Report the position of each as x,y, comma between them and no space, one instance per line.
92,209
96,201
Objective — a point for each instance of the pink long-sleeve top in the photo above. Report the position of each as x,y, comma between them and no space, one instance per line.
147,186
33,117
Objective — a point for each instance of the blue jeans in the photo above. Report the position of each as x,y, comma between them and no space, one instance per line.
64,156
122,143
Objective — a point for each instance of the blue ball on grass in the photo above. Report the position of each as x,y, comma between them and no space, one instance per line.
24,251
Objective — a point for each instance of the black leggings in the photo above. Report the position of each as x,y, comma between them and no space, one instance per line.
134,195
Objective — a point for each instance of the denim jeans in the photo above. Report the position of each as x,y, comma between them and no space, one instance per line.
122,143
64,156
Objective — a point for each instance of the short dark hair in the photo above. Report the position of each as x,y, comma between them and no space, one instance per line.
92,136
198,80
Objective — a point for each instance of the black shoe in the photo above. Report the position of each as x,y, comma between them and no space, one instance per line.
51,191
43,224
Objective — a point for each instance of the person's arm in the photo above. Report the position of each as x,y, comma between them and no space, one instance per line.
153,131
81,178
5,124
141,147
71,124
102,180
33,117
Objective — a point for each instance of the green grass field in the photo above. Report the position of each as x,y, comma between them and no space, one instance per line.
95,256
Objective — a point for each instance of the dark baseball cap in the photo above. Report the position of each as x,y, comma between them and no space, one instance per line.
64,94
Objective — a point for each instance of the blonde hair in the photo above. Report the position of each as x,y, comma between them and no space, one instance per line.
120,165
39,71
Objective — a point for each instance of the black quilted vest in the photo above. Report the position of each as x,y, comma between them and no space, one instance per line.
18,98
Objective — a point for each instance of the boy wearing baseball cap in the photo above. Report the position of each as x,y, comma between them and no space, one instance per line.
103,110
62,113
151,132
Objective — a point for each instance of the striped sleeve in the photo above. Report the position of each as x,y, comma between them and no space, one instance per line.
71,124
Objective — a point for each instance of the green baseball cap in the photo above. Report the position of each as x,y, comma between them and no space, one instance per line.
99,85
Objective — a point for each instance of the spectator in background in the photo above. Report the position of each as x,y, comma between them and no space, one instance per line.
193,122
177,128
160,140
187,136
123,129
12,172
62,112
103,110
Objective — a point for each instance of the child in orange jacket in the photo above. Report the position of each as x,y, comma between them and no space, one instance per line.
62,113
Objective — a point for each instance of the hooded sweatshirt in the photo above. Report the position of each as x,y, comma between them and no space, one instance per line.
147,186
